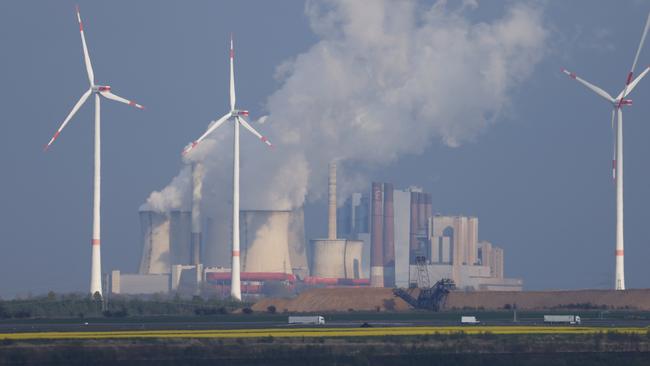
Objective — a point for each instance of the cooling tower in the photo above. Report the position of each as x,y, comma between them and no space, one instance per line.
338,258
376,238
180,228
389,237
217,238
328,258
297,247
353,254
155,243
197,189
264,237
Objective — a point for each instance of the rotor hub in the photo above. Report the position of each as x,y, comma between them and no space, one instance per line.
239,112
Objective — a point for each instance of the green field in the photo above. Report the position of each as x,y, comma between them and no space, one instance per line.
317,332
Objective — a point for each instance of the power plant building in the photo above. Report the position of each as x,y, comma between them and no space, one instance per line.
450,244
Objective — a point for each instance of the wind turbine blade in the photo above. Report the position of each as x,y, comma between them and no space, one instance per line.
636,58
232,75
253,131
589,85
632,85
89,66
74,110
117,98
213,126
614,145
638,50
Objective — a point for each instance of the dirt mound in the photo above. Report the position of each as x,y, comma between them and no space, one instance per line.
633,299
337,299
382,299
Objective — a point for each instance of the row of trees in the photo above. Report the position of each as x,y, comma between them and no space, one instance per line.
55,305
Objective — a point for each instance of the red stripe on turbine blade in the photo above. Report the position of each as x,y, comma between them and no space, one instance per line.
235,253
132,103
264,139
232,53
629,78
619,252
187,149
95,242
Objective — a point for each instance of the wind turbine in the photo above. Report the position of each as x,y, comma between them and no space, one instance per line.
237,116
617,163
97,90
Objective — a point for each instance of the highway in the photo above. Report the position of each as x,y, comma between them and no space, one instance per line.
135,325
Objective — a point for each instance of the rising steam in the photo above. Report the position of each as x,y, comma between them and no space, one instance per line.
387,78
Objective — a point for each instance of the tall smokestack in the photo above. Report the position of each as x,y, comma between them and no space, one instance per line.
389,237
413,228
422,219
428,210
331,224
196,239
376,239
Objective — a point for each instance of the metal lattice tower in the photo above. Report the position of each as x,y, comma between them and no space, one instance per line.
422,272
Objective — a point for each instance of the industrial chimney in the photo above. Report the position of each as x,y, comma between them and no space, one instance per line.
413,227
331,223
389,237
376,238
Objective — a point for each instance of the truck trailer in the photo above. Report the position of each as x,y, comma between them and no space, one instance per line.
469,320
316,319
562,319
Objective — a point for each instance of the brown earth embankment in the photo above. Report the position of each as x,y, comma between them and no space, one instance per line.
382,299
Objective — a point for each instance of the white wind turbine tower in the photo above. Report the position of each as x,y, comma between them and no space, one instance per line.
237,117
617,163
97,90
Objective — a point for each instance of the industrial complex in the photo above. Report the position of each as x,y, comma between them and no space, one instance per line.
381,238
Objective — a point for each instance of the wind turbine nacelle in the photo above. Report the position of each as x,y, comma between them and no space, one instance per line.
239,112
102,88
626,102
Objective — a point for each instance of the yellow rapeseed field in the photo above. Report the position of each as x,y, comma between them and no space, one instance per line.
315,332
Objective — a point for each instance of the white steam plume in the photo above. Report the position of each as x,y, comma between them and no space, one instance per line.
387,78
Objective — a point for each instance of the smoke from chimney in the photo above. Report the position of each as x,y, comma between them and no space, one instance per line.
384,79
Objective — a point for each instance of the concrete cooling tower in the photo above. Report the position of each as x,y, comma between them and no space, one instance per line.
155,243
297,247
265,240
332,257
180,237
337,258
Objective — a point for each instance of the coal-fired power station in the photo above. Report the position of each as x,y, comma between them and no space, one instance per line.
385,237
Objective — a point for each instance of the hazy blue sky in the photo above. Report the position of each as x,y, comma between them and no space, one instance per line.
538,177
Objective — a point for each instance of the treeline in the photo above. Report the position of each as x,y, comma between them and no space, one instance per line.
74,305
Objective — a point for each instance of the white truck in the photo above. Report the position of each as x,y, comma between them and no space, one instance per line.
469,320
316,319
562,319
